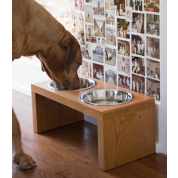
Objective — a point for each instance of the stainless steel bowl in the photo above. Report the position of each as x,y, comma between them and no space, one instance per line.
107,97
86,83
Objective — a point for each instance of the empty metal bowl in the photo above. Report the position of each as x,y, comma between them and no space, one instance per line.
86,83
107,97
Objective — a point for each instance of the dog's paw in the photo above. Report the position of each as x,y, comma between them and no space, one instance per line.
24,161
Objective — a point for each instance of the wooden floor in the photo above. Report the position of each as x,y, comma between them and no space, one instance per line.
72,151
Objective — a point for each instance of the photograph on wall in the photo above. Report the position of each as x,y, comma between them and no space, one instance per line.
103,41
79,5
153,89
138,65
153,47
111,35
98,71
89,1
79,18
124,81
98,8
138,23
123,28
109,5
110,56
88,13
89,30
80,35
86,51
111,75
98,53
137,5
128,14
120,7
152,24
138,84
99,40
99,28
138,45
152,5
123,48
86,69
153,69
123,64
110,18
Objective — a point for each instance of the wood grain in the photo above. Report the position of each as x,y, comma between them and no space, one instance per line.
153,166
49,114
125,132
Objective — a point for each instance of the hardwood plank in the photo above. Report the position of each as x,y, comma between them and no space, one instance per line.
136,170
158,162
17,174
44,168
64,157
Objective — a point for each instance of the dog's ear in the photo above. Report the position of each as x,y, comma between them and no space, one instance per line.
69,43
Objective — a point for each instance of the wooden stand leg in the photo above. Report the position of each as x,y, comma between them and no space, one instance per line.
122,139
48,114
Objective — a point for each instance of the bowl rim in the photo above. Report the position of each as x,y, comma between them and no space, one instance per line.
81,97
94,84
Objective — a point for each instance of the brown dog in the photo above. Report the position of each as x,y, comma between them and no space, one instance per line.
36,32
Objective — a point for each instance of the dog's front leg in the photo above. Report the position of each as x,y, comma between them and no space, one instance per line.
24,161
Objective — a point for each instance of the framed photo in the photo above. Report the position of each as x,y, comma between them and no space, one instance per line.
80,36
120,7
153,89
98,71
138,23
111,75
128,14
136,5
89,1
79,18
86,69
111,35
152,5
153,69
110,18
124,81
123,65
123,28
123,48
89,30
138,45
98,53
109,5
99,28
153,24
86,51
98,8
79,5
88,13
110,56
138,84
153,47
138,65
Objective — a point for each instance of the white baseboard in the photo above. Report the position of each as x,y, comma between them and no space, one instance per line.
20,88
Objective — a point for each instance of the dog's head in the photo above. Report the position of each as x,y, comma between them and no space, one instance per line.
62,62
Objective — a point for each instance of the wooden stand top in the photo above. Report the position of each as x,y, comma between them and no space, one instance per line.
72,100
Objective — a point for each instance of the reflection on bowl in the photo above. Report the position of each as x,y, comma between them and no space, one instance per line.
85,83
107,97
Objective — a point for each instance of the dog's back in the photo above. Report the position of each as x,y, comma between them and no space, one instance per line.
33,28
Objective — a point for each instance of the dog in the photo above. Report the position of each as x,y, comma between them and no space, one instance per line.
36,32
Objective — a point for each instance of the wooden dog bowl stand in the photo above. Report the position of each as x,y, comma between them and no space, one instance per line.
125,132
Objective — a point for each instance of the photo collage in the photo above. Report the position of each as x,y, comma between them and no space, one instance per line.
119,40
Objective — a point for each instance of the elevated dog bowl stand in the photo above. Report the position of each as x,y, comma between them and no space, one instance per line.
125,132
